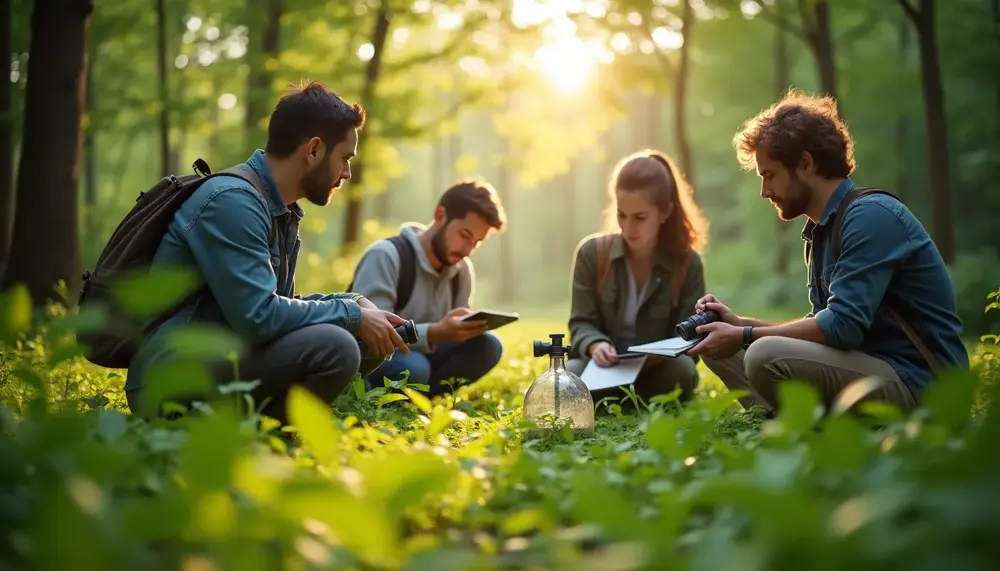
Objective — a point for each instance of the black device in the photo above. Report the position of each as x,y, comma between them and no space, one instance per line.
554,348
687,329
408,331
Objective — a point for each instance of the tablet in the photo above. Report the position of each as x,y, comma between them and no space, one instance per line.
494,319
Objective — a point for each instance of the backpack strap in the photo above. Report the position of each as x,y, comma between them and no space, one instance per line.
454,287
407,269
603,260
888,302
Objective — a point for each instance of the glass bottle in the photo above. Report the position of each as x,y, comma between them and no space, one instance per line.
558,397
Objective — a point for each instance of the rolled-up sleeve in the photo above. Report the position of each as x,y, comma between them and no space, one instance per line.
228,238
874,242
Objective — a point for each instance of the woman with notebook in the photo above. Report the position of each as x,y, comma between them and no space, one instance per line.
633,282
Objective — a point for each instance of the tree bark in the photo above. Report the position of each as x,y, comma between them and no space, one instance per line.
902,120
782,81
352,225
162,91
817,29
937,128
508,281
6,137
680,101
46,213
260,78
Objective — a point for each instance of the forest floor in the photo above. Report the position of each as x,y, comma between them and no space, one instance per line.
397,481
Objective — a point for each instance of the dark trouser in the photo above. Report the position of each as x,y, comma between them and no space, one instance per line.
466,362
659,376
321,358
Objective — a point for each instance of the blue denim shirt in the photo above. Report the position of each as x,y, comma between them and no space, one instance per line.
884,251
222,233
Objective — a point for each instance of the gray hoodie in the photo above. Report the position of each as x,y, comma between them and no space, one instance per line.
378,272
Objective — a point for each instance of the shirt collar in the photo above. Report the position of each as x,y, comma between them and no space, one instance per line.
275,203
831,208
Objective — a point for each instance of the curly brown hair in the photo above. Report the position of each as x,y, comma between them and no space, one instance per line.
654,172
798,123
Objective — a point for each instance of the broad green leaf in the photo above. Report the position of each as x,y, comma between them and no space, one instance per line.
207,457
204,342
841,446
662,436
442,559
175,381
111,425
159,289
951,397
799,405
420,401
400,481
523,521
15,312
314,422
65,523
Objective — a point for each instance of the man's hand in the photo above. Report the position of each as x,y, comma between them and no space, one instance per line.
379,334
711,303
366,303
452,328
723,340
603,353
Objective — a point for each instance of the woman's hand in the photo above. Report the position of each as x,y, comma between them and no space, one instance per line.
603,353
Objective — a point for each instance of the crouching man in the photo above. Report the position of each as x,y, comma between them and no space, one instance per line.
241,236
426,274
882,301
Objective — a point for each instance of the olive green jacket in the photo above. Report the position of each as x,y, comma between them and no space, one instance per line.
592,319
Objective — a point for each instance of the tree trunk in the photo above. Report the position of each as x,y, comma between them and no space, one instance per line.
260,78
352,226
680,101
507,283
6,137
162,91
937,128
817,29
46,214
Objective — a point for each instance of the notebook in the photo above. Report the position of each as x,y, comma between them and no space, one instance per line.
622,373
671,347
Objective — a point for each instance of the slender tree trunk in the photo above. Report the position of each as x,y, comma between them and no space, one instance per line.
508,289
268,14
46,213
937,128
162,91
6,137
816,28
680,101
352,226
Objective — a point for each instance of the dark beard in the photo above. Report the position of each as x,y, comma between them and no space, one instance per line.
437,246
798,200
317,186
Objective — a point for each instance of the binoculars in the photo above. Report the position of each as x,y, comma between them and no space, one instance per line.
687,329
408,331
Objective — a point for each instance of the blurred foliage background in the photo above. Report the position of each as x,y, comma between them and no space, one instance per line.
538,97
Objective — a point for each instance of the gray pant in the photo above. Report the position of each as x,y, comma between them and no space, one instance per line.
659,376
322,358
771,360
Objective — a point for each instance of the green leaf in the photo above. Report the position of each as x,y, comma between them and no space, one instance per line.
111,425
15,312
420,401
150,293
442,559
799,405
208,454
204,342
950,398
314,422
841,446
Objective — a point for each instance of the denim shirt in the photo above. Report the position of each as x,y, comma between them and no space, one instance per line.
221,232
885,252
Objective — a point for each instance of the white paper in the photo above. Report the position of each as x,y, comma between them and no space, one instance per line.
671,347
621,374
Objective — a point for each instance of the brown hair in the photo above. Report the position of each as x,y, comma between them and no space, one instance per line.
798,123
474,195
311,110
654,172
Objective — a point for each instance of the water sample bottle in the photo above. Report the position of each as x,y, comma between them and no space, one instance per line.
558,397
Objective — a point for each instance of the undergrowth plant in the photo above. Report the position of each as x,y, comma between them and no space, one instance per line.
391,479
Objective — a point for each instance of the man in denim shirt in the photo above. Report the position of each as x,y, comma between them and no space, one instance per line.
804,155
224,233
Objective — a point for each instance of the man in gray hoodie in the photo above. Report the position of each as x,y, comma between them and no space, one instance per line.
425,274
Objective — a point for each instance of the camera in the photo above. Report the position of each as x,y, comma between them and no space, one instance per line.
408,331
687,329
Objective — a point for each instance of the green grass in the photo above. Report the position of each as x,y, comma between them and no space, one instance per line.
451,484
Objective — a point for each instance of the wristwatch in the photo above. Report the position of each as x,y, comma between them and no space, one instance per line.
747,339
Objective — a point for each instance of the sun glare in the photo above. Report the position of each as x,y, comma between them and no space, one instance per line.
565,63
563,59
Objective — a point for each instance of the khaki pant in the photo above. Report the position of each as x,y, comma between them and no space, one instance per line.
761,368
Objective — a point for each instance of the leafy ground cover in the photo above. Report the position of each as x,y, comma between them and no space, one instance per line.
397,481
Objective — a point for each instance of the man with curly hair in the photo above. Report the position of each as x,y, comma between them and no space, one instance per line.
883,305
